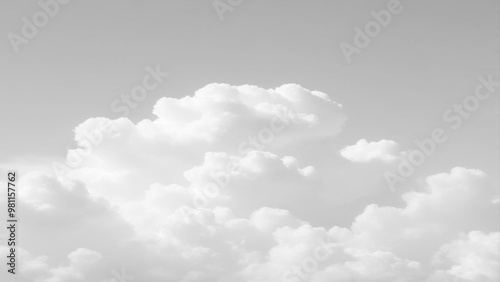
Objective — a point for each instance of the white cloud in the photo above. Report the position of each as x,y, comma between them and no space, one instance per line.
474,257
131,203
215,244
364,151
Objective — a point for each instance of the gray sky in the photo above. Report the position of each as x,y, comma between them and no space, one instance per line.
405,84
428,58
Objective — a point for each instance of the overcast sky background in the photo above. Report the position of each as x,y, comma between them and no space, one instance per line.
397,88
426,60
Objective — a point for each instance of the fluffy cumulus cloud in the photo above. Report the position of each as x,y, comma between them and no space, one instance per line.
240,183
364,151
473,257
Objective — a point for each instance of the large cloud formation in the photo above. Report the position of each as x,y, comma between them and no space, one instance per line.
240,183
